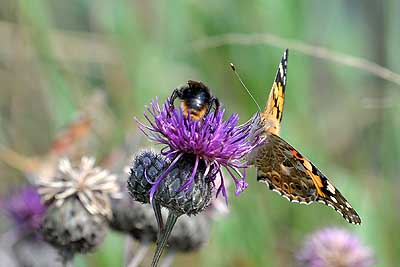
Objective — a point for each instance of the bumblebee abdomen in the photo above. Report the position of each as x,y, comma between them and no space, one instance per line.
196,112
196,99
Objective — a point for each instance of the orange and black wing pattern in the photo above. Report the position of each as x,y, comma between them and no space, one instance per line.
272,115
283,168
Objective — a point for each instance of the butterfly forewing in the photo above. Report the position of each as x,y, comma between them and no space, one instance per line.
273,112
283,168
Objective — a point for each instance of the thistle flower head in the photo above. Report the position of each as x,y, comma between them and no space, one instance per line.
217,142
25,209
91,185
333,247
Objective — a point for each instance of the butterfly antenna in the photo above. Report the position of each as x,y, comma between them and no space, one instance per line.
237,75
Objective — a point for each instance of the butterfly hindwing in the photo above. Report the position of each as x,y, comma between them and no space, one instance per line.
283,168
294,177
282,172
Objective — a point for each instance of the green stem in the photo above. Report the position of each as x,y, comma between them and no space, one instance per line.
162,241
159,218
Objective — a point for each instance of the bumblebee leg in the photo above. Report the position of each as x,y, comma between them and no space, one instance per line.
213,101
175,95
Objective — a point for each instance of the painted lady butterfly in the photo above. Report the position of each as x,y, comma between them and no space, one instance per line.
283,168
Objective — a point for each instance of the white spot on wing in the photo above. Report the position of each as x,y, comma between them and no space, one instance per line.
264,182
281,73
330,187
280,193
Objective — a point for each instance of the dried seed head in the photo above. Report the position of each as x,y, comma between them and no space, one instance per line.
91,185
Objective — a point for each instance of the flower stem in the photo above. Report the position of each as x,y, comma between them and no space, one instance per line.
162,241
159,218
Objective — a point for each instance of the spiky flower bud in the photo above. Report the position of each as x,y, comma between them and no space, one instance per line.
177,195
134,218
71,228
190,233
147,167
174,192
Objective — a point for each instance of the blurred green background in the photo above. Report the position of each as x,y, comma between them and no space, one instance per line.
55,55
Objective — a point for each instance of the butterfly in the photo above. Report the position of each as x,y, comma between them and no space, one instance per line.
283,168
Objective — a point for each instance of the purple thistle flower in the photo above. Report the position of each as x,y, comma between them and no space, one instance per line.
25,209
217,142
333,247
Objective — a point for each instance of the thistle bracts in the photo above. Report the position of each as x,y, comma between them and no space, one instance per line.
173,192
72,229
78,199
134,218
146,168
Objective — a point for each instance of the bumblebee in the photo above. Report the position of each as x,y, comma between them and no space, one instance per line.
196,99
